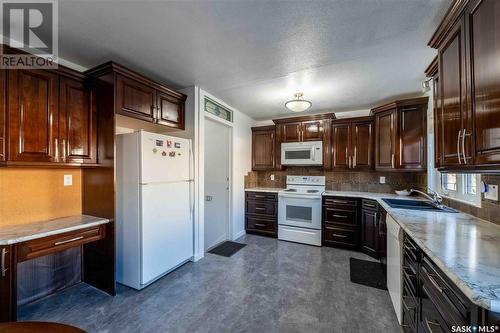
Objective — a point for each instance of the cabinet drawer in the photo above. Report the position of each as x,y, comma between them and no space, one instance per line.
334,215
339,235
453,303
260,224
411,250
343,203
261,207
370,204
261,196
46,245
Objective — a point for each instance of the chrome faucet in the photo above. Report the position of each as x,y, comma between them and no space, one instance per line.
436,199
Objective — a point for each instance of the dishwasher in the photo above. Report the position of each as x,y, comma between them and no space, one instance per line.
394,263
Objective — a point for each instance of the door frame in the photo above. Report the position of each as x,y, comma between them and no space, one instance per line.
229,192
199,142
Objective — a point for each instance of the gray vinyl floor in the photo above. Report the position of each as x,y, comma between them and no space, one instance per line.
268,286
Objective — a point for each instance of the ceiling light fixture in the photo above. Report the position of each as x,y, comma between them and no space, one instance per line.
298,104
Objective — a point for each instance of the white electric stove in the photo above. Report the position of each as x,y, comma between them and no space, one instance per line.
299,209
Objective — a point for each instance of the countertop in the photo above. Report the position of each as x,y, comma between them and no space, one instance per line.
25,232
465,248
264,189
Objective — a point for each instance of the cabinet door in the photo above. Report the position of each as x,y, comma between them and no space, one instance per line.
451,119
483,17
341,134
135,99
291,132
413,130
78,122
312,130
7,303
33,116
3,110
263,143
369,232
385,141
438,134
362,145
170,111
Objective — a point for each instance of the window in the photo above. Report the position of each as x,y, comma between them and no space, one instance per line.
461,187
218,110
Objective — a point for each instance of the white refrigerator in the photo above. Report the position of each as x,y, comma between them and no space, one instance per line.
154,208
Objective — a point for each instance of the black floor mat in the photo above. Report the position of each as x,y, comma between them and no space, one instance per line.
368,273
227,249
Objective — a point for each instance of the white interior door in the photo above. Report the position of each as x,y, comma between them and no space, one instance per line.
216,182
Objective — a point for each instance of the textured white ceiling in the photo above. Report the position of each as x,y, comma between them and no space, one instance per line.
344,55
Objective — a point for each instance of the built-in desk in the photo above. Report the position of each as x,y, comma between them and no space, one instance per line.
25,242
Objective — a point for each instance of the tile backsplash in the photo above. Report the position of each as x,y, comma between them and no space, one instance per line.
343,180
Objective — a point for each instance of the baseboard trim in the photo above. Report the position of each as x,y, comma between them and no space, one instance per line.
239,234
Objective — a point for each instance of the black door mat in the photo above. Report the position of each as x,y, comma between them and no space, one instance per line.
227,249
368,273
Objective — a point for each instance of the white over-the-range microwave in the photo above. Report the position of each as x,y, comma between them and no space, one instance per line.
302,153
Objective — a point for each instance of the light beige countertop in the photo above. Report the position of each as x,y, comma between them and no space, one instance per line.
465,248
25,232
264,189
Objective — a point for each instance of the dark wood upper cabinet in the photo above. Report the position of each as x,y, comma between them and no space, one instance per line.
312,130
33,116
135,99
142,98
482,26
341,136
362,144
400,135
291,132
170,110
385,139
452,112
433,72
78,121
352,142
263,147
3,113
467,110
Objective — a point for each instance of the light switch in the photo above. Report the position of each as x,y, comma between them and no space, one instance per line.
382,180
68,180
492,193
272,177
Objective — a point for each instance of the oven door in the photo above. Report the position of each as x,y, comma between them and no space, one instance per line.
302,153
299,211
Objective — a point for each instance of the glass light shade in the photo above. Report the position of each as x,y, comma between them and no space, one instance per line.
298,104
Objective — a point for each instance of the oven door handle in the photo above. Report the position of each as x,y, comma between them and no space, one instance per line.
298,197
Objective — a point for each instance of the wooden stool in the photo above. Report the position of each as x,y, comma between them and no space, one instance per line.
37,327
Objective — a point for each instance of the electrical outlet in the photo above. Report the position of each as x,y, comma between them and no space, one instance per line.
382,180
272,177
492,193
68,180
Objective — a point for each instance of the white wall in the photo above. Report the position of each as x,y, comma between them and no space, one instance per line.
242,164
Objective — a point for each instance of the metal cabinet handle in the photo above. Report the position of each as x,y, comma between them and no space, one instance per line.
260,225
433,281
458,147
4,254
337,201
354,158
341,216
63,143
463,145
340,236
429,323
260,196
68,241
259,208
393,161
56,150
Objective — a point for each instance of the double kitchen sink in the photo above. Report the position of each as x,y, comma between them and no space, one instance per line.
418,205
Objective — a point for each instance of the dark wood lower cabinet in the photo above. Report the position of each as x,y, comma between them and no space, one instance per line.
261,213
373,230
340,222
8,301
